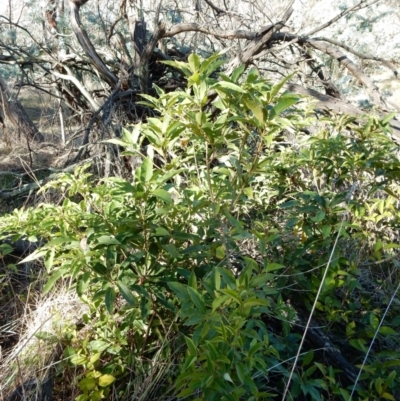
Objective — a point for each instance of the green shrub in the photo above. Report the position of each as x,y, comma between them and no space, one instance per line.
202,265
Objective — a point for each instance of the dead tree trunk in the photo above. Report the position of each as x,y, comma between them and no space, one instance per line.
139,42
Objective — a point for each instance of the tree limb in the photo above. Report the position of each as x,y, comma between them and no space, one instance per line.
360,5
77,84
323,75
339,56
148,51
318,339
338,106
346,62
258,43
15,192
220,11
86,44
363,56
218,33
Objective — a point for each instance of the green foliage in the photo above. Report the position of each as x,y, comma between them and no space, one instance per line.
208,257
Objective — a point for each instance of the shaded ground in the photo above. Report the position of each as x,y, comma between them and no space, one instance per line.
16,153
21,163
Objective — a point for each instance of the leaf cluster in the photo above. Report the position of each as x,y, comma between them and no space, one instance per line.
205,261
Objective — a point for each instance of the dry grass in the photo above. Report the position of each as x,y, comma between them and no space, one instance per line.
17,153
24,310
17,157
31,357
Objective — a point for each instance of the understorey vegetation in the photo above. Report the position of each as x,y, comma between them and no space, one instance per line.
251,253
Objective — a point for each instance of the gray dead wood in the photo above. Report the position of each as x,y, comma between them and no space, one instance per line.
87,45
331,104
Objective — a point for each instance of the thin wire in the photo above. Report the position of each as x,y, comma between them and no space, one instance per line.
301,273
312,312
373,340
258,374
348,199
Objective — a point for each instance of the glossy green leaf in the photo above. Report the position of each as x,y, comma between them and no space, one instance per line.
240,371
39,253
219,300
249,302
178,288
320,215
126,293
160,232
216,279
106,380
387,396
227,276
255,108
232,294
308,358
197,299
387,331
276,88
172,250
78,359
193,280
52,280
99,345
191,346
82,283
220,252
194,62
46,336
274,266
190,360
163,195
87,384
388,117
109,299
146,169
282,105
228,85
237,73
167,176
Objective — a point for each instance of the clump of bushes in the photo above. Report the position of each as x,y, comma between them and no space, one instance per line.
235,232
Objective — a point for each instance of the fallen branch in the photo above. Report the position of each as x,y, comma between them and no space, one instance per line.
331,104
218,33
318,339
363,56
346,62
